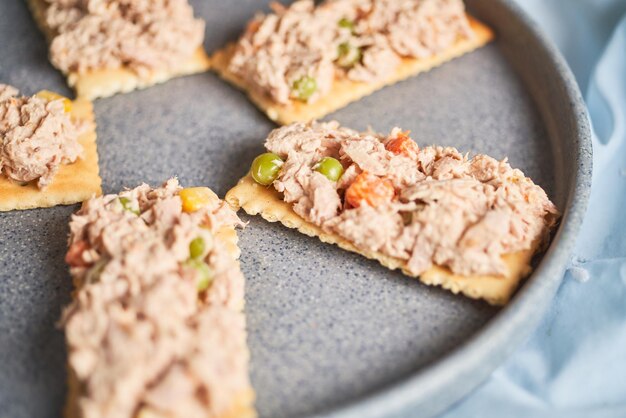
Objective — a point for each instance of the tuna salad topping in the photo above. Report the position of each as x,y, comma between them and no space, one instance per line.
156,320
297,51
428,206
138,34
37,136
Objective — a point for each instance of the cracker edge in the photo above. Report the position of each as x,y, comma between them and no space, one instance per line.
345,91
107,82
256,199
73,183
244,401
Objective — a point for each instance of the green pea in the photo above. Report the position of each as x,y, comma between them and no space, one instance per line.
304,87
196,247
330,167
346,24
348,55
127,205
265,168
205,274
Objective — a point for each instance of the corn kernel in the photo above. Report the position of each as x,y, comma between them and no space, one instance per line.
195,198
50,96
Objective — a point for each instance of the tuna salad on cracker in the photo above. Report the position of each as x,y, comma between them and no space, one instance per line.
303,61
111,46
156,327
37,136
48,153
469,224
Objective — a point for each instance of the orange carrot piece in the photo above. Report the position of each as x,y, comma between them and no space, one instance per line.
370,189
403,145
74,256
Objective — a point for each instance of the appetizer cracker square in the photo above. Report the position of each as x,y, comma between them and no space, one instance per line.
255,199
468,224
211,335
345,91
99,83
73,183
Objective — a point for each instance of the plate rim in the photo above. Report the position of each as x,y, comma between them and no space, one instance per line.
461,370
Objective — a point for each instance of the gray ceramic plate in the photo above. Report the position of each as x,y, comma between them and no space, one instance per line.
331,333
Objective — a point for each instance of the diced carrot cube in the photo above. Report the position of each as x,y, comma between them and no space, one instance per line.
74,256
370,189
403,145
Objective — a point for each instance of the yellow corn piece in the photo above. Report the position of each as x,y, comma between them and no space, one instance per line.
50,96
195,198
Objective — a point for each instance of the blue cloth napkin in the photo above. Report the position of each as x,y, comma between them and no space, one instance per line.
575,363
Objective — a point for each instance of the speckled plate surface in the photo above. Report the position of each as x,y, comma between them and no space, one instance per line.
331,333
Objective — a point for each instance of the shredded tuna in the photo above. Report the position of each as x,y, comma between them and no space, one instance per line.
449,210
36,137
138,34
363,40
139,331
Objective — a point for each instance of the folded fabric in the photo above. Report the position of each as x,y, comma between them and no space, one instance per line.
574,365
